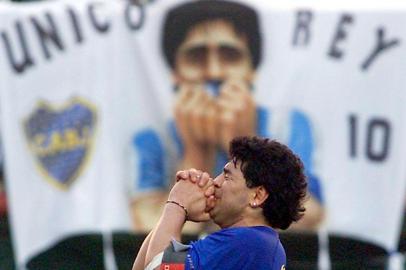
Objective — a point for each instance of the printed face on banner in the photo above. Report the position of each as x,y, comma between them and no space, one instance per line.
213,51
61,139
212,56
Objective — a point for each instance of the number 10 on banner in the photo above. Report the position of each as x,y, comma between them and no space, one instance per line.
374,143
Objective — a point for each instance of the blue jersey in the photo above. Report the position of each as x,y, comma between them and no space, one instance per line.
256,248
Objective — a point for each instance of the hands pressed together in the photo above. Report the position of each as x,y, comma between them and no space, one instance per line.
194,190
205,122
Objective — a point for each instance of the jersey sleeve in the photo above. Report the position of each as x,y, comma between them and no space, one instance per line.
149,162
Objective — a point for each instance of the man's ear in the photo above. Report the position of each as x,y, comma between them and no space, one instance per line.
260,196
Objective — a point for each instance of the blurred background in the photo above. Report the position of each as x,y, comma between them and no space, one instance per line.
101,102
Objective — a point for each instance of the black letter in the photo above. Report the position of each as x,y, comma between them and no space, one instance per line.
380,47
45,35
373,126
102,28
335,52
353,135
26,59
141,17
303,19
75,25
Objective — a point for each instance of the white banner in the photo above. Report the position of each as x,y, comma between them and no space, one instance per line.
84,88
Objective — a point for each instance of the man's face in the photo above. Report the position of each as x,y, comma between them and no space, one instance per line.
232,196
213,51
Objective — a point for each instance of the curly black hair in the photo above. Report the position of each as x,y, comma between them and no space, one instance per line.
180,19
274,166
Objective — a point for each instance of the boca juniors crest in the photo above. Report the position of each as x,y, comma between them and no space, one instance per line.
61,139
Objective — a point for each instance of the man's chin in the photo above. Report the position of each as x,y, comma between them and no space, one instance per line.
213,212
214,216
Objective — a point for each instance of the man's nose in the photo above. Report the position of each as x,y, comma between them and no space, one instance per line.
218,181
214,70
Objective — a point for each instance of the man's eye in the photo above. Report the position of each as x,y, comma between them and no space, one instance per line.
231,54
196,55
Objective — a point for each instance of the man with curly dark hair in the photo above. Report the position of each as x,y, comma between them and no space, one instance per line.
261,188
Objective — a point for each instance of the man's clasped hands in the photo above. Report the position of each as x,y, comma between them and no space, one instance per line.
196,191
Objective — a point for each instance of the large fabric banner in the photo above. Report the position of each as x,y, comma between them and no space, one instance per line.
102,101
